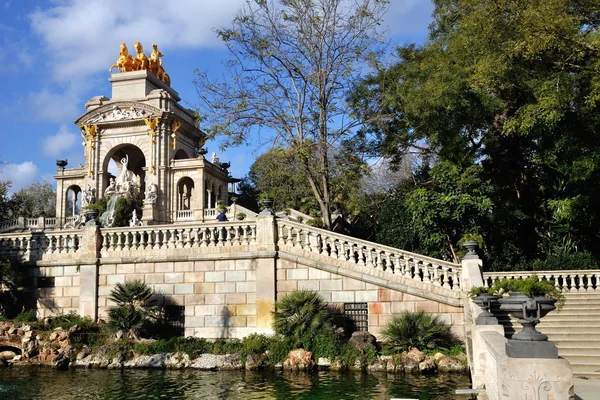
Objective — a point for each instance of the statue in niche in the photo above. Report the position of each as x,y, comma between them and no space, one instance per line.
125,182
151,194
88,196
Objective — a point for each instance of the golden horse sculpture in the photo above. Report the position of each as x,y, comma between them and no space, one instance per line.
127,63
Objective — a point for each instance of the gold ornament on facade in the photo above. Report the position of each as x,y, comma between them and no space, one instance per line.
126,62
152,124
174,128
88,133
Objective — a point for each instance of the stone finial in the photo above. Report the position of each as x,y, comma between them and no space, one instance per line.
471,247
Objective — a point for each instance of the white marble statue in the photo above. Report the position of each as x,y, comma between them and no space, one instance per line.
111,189
125,182
88,196
134,221
151,194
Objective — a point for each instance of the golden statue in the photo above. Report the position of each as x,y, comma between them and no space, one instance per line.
174,128
141,61
127,63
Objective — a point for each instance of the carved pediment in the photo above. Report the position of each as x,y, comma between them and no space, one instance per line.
119,111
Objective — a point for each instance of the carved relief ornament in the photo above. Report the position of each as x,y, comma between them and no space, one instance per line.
121,111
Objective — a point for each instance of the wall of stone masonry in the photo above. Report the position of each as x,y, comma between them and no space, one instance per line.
220,295
382,302
63,297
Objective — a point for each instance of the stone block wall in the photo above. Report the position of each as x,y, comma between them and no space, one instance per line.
382,302
63,295
219,296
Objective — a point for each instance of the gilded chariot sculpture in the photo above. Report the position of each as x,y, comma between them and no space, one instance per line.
126,62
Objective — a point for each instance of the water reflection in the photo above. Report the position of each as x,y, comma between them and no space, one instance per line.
44,383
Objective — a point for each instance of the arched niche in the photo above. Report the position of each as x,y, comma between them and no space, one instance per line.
136,164
181,155
185,188
73,201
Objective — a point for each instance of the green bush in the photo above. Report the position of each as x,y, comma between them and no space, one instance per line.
227,346
301,315
26,316
531,286
66,321
192,346
280,348
417,329
123,211
132,308
255,344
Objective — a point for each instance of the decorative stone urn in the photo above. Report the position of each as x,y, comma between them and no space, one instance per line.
486,301
266,206
529,342
91,213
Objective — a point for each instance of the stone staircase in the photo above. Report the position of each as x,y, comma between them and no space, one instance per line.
575,330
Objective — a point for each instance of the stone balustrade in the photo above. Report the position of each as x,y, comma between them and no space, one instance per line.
32,246
566,281
27,223
185,215
371,255
164,237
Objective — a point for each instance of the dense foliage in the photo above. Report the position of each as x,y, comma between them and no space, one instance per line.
132,307
501,105
417,329
301,315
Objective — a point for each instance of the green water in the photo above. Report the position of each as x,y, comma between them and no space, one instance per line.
45,383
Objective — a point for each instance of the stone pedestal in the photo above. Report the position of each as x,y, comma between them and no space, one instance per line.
526,349
88,271
149,214
266,273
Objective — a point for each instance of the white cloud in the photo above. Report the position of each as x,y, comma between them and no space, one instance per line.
57,145
82,37
21,175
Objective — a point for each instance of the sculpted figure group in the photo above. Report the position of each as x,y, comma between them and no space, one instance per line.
127,62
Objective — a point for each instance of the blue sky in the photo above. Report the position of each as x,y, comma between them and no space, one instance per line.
55,55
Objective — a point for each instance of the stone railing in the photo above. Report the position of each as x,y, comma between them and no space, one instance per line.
371,255
34,246
566,281
27,223
185,215
161,237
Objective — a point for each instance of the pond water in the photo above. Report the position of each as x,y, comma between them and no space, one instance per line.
82,384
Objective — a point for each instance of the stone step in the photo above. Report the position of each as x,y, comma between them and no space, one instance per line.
582,359
581,321
557,337
575,342
579,328
585,367
576,349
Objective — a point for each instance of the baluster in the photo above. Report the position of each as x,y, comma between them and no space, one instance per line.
119,240
105,241
445,277
379,261
165,237
455,282
135,244
126,245
436,275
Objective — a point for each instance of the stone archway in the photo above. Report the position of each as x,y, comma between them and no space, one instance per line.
136,164
72,202
185,187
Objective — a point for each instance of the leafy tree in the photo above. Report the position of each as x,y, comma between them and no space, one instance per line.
277,173
4,200
512,87
34,200
292,64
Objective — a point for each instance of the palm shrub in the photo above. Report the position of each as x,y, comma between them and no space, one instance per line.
417,329
300,316
132,307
